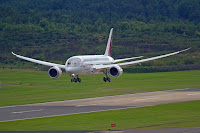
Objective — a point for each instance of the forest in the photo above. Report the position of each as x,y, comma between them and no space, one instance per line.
54,30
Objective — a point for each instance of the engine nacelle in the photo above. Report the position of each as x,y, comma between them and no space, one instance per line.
55,72
116,71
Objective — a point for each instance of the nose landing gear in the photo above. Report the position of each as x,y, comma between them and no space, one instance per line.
77,79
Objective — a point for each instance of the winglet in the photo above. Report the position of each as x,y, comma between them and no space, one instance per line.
109,44
13,53
185,49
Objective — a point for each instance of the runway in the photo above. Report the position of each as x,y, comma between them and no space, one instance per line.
97,104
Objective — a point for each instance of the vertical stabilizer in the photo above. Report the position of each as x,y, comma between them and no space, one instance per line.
109,44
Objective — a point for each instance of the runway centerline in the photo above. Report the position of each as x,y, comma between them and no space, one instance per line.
26,111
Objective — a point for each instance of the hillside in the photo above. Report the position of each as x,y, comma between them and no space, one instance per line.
54,30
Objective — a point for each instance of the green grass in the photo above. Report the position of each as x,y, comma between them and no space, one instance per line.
46,89
186,114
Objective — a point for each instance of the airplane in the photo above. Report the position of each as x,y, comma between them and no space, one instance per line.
94,64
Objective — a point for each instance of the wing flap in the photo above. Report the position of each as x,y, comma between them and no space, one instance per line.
132,58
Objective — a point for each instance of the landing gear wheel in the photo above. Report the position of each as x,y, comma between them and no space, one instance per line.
104,79
75,80
79,80
108,79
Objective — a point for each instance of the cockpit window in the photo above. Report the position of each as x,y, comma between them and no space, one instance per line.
73,62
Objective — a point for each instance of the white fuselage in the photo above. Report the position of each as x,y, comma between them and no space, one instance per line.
83,65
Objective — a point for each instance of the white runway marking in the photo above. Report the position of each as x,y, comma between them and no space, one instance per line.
193,94
26,111
86,105
146,99
81,105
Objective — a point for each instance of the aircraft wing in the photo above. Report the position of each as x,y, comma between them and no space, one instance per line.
126,64
120,60
39,62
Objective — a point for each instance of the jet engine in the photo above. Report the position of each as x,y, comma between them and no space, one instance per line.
55,72
116,71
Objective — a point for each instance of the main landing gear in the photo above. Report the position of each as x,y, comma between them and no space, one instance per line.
105,79
77,79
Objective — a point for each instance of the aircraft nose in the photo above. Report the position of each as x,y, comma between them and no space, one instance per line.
67,69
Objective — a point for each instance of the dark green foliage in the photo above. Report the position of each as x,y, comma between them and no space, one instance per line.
54,30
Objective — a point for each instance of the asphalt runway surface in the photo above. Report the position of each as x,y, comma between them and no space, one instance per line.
97,104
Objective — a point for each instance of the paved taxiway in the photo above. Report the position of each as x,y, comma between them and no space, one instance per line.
78,106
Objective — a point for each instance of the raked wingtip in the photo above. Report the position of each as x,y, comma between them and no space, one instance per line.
13,53
187,49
